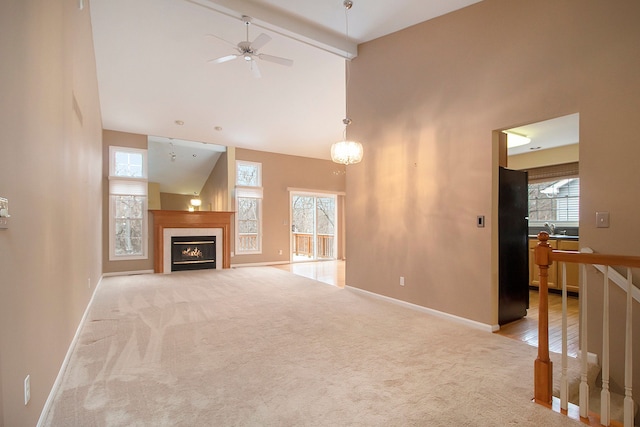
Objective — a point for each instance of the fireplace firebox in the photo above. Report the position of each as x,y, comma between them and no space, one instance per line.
193,253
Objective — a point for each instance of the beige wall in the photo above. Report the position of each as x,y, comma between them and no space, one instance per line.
552,156
215,192
50,167
175,202
154,196
280,172
131,140
424,102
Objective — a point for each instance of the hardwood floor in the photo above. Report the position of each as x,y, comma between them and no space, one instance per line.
331,272
525,329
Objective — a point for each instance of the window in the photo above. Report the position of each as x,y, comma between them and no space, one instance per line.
248,207
554,195
127,203
556,201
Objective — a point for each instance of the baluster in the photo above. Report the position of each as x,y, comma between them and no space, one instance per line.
605,416
584,350
628,360
564,382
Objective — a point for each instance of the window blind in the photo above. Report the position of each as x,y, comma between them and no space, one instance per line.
549,173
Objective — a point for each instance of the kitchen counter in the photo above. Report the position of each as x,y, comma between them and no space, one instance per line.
556,237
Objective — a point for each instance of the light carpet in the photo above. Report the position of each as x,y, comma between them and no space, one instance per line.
262,347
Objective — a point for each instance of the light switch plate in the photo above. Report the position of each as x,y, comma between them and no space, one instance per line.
602,219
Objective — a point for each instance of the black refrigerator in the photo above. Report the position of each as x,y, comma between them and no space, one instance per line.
513,248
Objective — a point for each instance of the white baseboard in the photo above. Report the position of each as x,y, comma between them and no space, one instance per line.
127,273
67,357
259,264
442,314
591,358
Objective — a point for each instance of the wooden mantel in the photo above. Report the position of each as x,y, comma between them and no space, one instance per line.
183,219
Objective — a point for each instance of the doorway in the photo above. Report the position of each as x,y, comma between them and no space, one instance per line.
313,227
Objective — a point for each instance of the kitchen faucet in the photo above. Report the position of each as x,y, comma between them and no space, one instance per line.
551,228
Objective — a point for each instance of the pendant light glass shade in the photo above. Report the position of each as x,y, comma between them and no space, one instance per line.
346,152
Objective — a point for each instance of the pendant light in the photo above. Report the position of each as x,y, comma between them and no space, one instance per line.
346,152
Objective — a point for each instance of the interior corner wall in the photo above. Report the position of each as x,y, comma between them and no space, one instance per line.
50,172
280,172
175,202
424,102
130,140
215,192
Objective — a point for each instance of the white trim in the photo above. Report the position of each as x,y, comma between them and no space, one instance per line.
259,264
592,358
127,273
310,191
442,314
58,381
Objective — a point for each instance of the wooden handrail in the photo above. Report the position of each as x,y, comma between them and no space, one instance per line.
592,258
543,367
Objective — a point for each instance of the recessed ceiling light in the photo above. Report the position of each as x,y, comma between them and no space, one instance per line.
179,122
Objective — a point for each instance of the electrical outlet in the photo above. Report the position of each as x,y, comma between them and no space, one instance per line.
27,389
401,280
280,252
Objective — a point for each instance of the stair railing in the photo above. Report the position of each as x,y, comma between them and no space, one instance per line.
543,367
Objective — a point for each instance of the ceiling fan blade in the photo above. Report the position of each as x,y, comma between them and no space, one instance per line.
255,70
260,41
220,38
276,59
223,59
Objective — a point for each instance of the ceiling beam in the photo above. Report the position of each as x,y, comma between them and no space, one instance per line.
284,24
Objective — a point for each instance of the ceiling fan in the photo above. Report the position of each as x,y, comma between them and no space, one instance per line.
249,51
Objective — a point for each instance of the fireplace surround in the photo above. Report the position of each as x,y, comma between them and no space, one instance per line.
183,223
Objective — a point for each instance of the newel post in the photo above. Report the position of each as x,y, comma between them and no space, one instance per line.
543,368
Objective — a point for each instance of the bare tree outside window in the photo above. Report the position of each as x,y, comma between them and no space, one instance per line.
557,200
248,206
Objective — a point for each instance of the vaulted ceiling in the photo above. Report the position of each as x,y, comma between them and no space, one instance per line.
155,79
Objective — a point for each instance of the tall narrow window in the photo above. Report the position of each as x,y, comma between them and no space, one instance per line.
248,207
127,203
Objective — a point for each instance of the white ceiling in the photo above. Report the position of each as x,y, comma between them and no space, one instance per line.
152,67
181,167
548,134
151,58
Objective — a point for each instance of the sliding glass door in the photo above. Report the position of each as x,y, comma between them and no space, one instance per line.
313,227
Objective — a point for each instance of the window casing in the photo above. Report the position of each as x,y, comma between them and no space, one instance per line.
249,196
128,237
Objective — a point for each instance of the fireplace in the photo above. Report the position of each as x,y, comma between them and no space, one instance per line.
193,253
167,224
